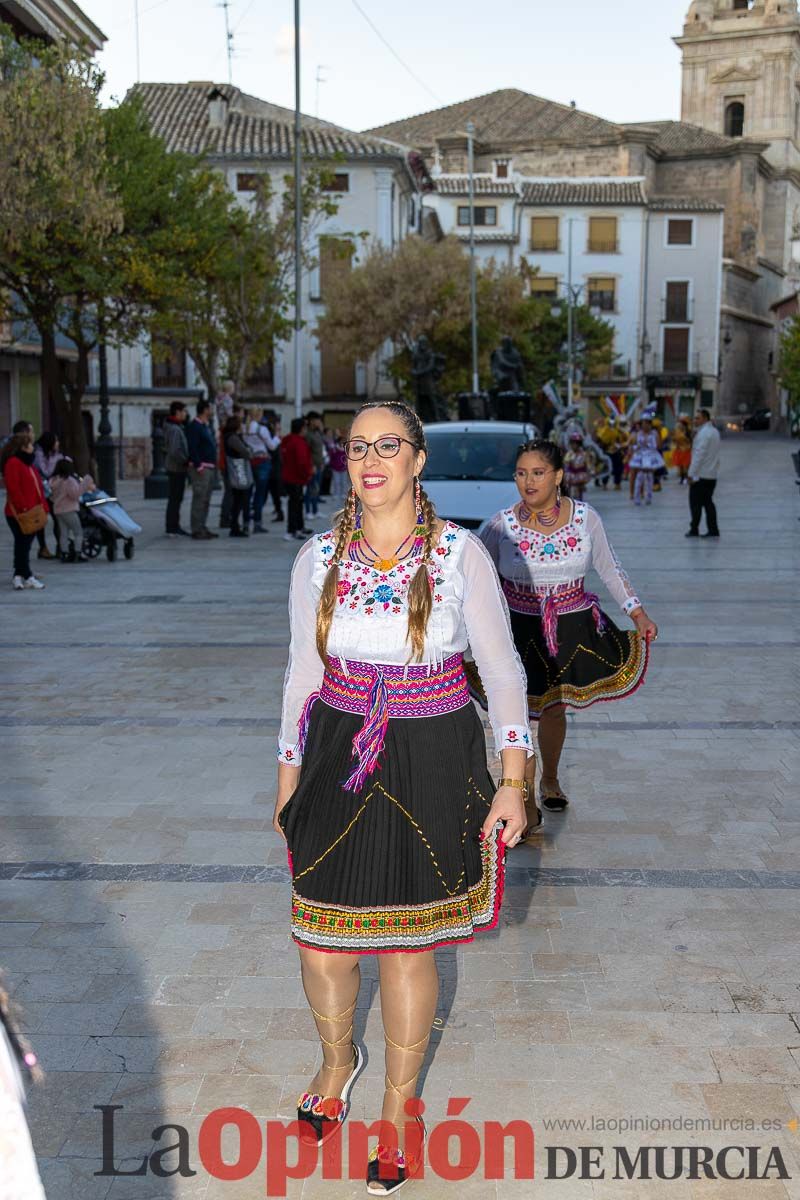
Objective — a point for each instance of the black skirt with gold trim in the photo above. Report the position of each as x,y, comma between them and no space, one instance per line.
398,866
592,664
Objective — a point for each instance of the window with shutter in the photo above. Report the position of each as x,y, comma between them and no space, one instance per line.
602,235
544,233
676,351
680,231
544,287
676,307
602,293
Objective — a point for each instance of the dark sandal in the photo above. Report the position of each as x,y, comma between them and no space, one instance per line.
555,803
534,823
321,1116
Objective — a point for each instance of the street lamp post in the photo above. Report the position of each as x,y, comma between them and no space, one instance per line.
298,224
104,448
473,295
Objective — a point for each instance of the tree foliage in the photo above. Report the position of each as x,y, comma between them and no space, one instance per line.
789,369
423,288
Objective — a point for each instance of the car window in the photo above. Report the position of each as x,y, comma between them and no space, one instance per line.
489,456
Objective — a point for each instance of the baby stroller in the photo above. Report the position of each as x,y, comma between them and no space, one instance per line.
104,521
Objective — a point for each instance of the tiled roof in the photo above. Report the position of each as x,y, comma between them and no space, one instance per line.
679,137
506,116
485,185
683,204
505,239
179,114
578,191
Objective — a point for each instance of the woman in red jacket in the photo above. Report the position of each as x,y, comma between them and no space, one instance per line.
23,491
297,467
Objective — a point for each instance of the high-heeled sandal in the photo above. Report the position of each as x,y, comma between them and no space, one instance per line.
323,1115
401,1166
535,821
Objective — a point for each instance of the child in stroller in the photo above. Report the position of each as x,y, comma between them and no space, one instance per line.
67,489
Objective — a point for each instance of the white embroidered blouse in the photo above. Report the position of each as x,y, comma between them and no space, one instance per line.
370,624
544,562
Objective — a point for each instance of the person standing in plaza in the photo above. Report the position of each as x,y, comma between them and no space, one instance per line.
25,505
573,653
395,831
202,449
682,448
297,468
240,474
176,464
703,475
47,454
263,444
67,488
646,459
339,476
276,473
316,444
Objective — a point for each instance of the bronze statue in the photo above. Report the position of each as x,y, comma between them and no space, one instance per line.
427,369
508,370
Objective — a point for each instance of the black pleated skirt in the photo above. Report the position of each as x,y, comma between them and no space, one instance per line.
398,866
591,665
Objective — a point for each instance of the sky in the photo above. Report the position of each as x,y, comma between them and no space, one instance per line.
613,58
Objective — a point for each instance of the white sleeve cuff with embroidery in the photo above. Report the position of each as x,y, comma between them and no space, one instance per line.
513,737
289,754
631,604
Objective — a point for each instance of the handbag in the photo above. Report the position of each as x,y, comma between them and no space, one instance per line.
33,519
240,474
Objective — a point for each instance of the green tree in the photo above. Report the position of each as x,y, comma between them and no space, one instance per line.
423,288
57,205
230,308
789,370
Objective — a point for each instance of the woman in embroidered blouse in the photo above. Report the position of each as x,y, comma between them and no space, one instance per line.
572,651
396,834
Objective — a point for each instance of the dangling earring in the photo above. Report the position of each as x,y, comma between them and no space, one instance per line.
418,500
558,495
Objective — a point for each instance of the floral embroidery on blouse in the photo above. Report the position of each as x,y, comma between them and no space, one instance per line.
547,547
363,589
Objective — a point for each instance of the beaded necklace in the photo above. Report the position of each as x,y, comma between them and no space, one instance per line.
546,519
359,543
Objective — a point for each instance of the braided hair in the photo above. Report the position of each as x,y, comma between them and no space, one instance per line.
420,599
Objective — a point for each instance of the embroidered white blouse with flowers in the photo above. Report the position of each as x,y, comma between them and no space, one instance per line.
545,562
370,624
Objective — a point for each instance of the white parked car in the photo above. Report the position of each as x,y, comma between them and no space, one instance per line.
469,474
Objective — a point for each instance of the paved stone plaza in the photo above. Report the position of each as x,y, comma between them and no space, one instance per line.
647,961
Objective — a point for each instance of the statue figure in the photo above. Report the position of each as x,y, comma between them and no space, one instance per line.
508,371
427,369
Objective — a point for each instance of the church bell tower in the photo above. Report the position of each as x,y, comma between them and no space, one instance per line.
741,72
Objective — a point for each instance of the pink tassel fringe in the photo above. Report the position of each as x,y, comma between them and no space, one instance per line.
305,721
368,742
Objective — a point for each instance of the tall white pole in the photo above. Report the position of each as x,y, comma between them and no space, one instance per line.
298,224
138,43
570,303
473,295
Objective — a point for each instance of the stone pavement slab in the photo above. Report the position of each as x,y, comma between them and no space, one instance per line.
647,962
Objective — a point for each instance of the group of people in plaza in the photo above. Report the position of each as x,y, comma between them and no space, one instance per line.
255,463
396,833
41,484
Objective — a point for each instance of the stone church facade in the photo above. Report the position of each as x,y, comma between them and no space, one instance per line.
737,146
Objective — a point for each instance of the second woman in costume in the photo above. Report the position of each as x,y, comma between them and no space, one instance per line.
573,653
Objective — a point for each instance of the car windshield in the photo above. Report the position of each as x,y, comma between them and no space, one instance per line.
488,456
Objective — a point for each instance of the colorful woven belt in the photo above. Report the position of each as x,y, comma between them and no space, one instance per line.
380,691
551,606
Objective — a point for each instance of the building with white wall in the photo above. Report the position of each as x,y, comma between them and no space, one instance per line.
650,267
377,203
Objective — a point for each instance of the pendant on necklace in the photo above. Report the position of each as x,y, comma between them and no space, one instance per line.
384,564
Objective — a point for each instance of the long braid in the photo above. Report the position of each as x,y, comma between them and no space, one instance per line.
420,593
327,601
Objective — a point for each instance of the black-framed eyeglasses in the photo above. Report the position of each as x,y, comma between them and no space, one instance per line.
385,447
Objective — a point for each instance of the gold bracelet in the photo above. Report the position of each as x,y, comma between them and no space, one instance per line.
522,784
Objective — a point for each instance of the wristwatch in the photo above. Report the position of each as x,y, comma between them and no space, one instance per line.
522,784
